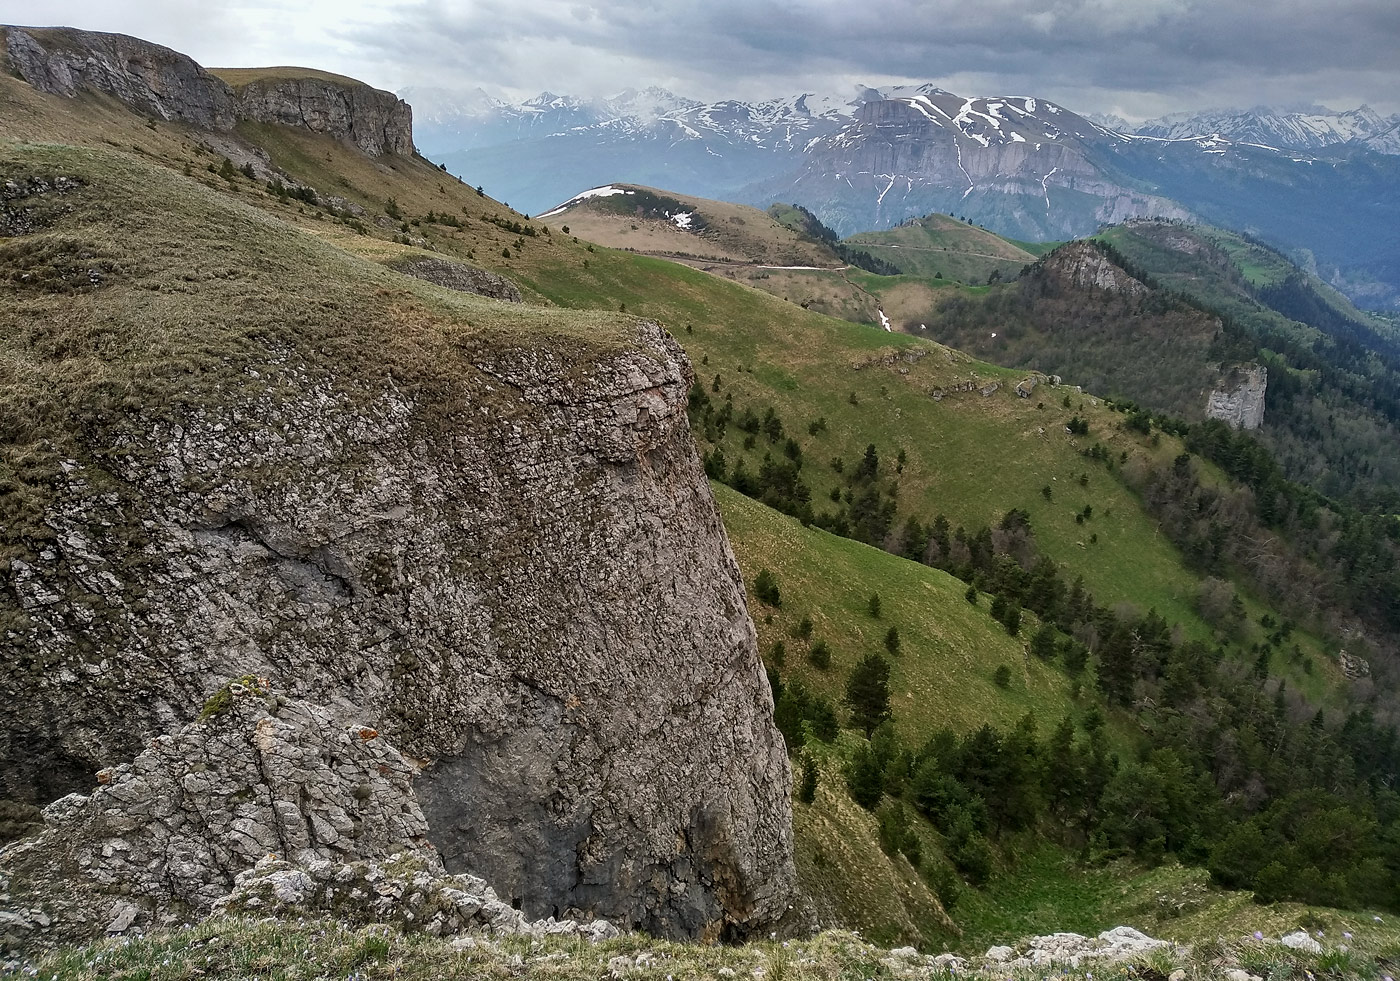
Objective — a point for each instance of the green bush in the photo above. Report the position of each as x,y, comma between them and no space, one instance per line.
765,588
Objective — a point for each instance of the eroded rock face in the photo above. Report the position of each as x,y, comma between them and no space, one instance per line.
1087,268
171,829
518,576
1239,398
376,121
168,85
462,277
148,77
267,805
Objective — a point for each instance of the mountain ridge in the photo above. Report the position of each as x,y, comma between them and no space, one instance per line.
1024,167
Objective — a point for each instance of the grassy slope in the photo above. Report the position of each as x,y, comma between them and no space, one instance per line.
850,882
1051,891
948,648
940,244
276,950
239,77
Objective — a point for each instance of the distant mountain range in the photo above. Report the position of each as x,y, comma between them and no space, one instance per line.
1317,183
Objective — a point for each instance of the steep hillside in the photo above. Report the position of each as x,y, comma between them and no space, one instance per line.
941,246
171,86
998,161
1332,396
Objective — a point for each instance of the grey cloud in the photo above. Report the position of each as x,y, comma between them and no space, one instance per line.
1141,57
1167,50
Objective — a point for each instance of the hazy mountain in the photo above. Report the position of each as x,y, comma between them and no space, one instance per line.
1316,183
1307,128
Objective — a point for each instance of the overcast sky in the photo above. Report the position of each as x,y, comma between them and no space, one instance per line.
1135,58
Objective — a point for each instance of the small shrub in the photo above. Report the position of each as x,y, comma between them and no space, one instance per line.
778,653
1002,677
765,588
807,784
892,640
819,654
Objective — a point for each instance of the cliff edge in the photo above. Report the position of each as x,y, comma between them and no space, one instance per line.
479,528
166,84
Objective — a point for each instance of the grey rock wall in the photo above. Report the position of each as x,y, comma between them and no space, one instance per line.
1087,268
163,83
462,277
519,578
376,121
148,77
1239,397
267,805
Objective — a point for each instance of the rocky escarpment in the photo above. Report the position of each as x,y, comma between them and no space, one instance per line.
1238,399
1083,266
462,277
478,529
537,602
374,120
1023,167
148,77
265,805
163,83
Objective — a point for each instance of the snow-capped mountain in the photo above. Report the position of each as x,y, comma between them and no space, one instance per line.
649,114
1310,128
1024,166
868,158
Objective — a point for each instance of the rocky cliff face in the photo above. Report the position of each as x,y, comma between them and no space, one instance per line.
1239,398
168,85
1082,266
489,539
377,122
537,602
1022,166
267,804
148,77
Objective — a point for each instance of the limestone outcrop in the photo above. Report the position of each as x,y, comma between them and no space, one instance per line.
1085,267
166,84
266,805
1238,399
537,601
461,277
150,78
479,529
376,121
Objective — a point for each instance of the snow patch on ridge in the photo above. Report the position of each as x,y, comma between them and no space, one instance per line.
606,191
